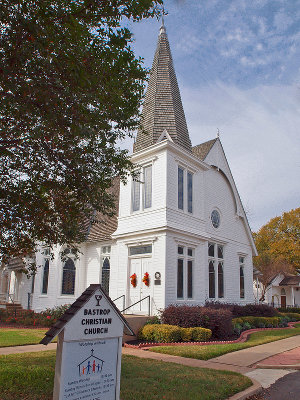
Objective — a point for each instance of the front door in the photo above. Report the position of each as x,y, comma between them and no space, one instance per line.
283,301
139,266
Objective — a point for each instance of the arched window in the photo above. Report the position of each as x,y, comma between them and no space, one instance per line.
242,283
212,293
105,275
68,278
283,293
220,280
45,277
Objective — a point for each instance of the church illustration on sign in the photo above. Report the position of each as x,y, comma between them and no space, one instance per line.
180,236
91,365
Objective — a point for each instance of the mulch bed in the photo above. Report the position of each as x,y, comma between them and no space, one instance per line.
135,344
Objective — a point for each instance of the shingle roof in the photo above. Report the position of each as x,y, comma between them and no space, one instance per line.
290,280
162,107
74,308
201,150
102,226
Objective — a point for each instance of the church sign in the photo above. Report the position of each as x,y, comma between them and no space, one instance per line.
88,358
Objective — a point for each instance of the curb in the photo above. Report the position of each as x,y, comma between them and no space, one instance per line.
250,391
278,366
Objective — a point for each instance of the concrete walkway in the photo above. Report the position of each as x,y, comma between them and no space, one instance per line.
29,348
253,355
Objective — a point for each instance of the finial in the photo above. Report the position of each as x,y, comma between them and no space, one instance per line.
218,133
162,28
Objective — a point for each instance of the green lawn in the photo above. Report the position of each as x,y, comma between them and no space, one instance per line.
30,376
19,337
211,351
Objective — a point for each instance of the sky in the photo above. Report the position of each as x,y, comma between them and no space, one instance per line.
238,68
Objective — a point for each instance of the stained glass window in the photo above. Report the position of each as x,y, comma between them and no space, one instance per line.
68,280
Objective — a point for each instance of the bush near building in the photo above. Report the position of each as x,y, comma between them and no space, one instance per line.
163,333
30,318
218,321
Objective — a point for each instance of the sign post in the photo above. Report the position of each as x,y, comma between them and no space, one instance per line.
88,357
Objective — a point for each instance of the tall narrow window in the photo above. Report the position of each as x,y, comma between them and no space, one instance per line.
242,278
68,279
180,188
220,280
190,279
148,187
105,275
45,277
190,192
136,193
180,279
212,293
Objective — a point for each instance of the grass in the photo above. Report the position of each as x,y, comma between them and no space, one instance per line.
30,376
211,351
19,337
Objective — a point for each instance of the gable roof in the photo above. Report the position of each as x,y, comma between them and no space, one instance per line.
290,280
162,107
74,308
201,150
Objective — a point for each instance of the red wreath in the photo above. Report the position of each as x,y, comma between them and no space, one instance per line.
146,279
133,280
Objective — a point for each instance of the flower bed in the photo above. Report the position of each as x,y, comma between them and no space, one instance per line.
243,337
31,319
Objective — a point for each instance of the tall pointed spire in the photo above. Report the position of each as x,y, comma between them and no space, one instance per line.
162,107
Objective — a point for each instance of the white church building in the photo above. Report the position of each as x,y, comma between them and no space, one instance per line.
180,235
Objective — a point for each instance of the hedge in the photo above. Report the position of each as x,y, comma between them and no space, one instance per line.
257,322
163,333
255,310
217,320
289,309
292,315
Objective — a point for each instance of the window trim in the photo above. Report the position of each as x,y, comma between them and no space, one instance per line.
140,182
185,281
242,293
62,277
43,275
216,260
186,172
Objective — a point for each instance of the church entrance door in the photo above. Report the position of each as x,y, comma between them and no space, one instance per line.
139,266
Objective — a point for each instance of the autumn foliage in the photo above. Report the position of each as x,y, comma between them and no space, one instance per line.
278,246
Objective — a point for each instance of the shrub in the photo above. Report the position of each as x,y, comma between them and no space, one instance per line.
246,326
217,320
153,320
237,329
289,309
161,333
259,310
291,315
187,334
200,334
257,322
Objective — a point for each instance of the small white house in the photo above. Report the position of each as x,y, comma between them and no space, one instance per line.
284,290
181,235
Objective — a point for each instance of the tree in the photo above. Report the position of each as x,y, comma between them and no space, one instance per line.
278,246
70,88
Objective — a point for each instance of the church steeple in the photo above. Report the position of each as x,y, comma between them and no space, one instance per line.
162,108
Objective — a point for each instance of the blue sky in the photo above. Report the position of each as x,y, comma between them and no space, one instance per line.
238,68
